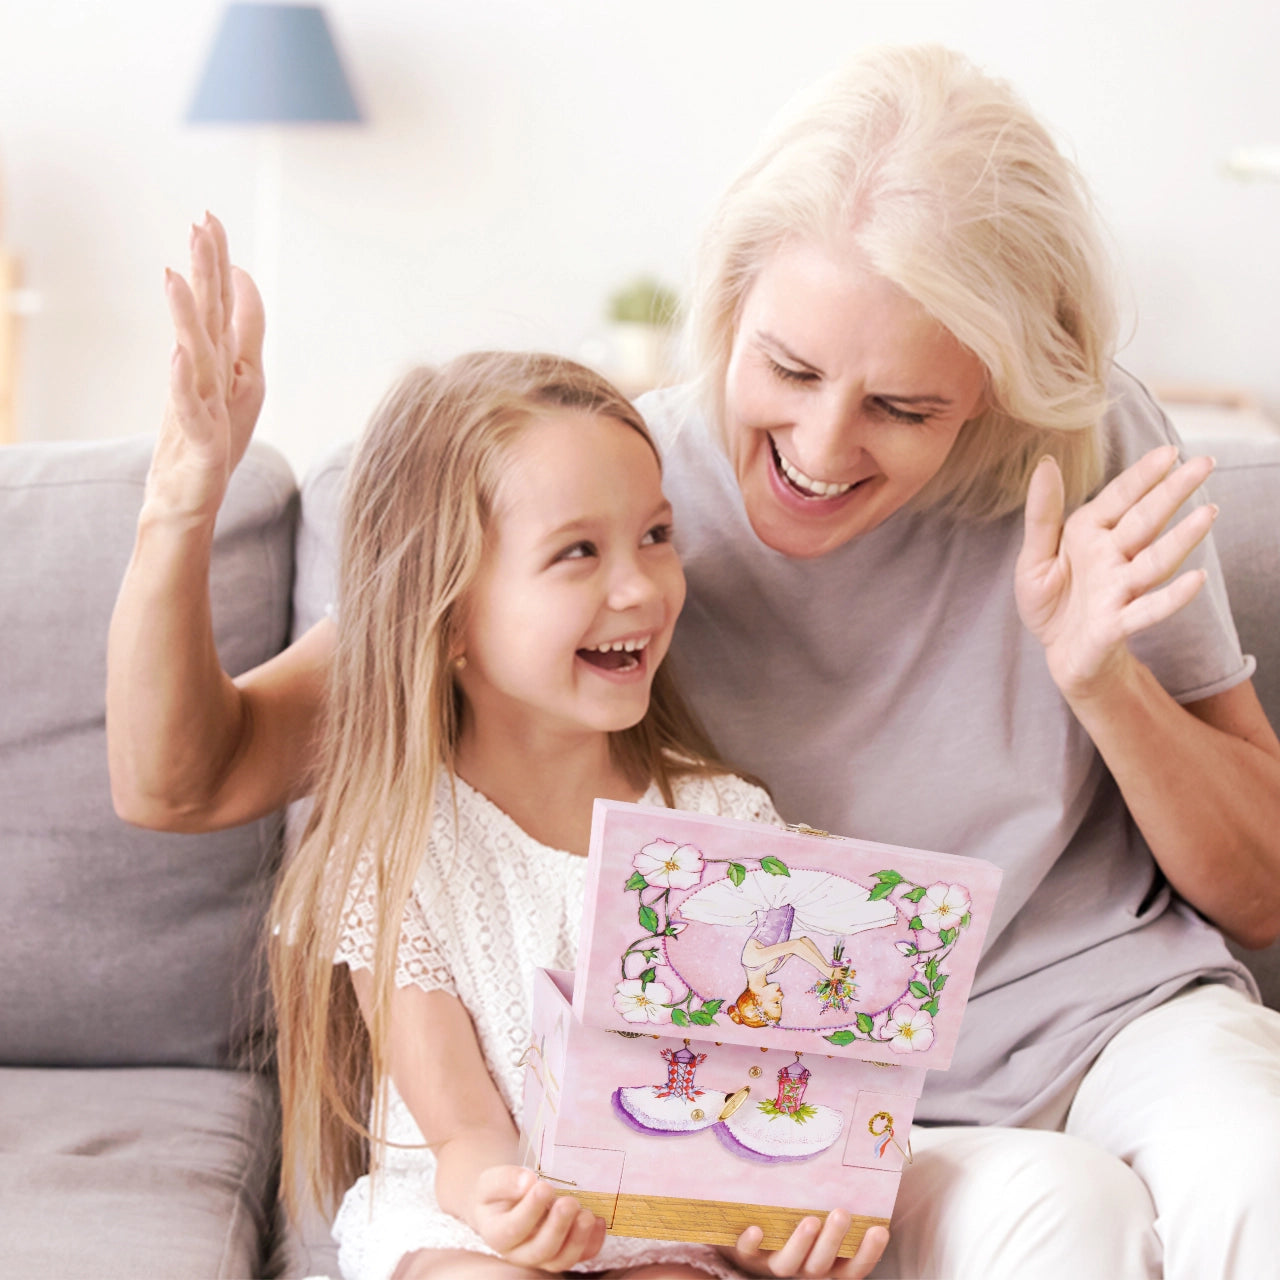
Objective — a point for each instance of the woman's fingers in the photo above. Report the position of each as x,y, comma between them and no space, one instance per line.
191,336
1141,524
1158,562
1132,484
226,296
1043,517
1156,606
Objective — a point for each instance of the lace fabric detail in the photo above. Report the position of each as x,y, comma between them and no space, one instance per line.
490,906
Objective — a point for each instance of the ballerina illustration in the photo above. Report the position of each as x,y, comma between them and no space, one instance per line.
784,910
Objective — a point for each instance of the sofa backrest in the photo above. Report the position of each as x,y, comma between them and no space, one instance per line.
120,946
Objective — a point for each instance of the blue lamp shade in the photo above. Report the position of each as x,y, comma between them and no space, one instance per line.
273,63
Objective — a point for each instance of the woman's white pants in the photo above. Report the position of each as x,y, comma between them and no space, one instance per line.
1167,1165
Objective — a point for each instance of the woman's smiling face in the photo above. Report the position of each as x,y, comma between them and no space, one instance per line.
843,398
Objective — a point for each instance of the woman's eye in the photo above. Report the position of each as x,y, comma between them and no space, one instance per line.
901,415
787,374
659,534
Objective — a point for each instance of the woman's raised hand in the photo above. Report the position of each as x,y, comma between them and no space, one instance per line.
522,1217
216,385
810,1250
1084,587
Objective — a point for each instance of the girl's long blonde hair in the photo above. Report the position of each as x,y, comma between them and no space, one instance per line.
418,503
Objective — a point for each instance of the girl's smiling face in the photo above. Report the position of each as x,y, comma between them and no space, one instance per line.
843,398
580,588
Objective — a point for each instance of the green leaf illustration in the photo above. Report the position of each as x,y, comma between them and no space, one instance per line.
965,920
910,950
882,890
916,923
841,1037
701,1017
931,1007
713,1006
917,989
941,982
931,969
889,877
737,872
649,919
915,894
650,954
774,867
865,1025
679,1017
646,977
947,937
637,881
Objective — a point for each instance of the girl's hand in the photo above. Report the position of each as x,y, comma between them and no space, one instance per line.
810,1250
216,385
518,1214
1084,588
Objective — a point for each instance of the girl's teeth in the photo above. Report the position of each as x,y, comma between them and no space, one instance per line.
819,488
616,646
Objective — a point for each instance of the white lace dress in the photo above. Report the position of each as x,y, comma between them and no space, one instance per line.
488,908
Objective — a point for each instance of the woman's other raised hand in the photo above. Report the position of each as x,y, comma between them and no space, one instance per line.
1085,586
216,383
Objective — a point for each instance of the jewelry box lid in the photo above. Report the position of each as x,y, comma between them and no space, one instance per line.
716,929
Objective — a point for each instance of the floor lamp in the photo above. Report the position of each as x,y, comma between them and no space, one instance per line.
272,65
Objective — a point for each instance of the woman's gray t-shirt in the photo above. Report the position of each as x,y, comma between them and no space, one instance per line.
889,691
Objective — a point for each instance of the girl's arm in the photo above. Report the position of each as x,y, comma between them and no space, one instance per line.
1202,781
190,749
439,1071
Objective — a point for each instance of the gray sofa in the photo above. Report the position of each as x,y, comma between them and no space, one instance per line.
137,1119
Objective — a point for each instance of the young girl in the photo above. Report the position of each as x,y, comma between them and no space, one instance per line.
508,592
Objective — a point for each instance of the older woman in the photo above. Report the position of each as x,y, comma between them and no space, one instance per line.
902,331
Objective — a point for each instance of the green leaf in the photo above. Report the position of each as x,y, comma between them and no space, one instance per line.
931,969
701,1017
965,920
670,931
916,923
679,1017
774,867
889,877
713,1006
650,954
947,937
930,1007
941,982
865,1025
840,1037
637,881
917,989
911,951
882,890
646,977
737,872
915,894
649,919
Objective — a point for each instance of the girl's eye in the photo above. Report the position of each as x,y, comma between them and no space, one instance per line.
579,551
901,415
659,534
787,374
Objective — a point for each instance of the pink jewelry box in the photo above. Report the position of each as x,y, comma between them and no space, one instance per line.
749,1024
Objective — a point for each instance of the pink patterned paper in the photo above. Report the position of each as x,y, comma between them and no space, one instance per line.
712,929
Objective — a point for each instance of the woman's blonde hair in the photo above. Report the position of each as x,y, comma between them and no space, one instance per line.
417,506
949,187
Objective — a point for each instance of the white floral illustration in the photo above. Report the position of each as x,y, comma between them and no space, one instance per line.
943,906
908,1029
639,1001
663,862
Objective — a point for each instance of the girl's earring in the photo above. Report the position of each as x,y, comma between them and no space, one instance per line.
460,662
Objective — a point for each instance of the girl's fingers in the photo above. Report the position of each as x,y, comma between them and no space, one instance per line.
1142,523
870,1250
788,1260
548,1241
521,1218
583,1241
826,1248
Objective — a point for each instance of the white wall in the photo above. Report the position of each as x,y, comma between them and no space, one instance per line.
523,157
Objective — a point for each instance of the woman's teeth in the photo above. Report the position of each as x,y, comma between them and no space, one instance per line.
806,484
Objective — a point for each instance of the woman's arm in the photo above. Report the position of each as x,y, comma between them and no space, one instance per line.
1202,781
439,1071
190,749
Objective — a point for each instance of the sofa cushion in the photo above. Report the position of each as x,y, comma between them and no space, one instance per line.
134,1172
119,946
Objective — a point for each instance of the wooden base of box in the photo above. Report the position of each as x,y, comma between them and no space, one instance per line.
708,1221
